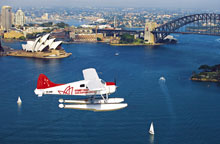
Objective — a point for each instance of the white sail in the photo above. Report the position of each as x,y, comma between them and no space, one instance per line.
19,100
151,131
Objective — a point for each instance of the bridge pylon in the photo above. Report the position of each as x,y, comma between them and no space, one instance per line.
149,37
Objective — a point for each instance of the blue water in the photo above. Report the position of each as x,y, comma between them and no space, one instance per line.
183,111
76,22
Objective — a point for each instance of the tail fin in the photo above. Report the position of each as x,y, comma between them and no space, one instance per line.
43,82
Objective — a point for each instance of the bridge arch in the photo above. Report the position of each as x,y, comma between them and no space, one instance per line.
162,31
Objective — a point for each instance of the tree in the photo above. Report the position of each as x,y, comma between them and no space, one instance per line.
47,30
126,38
62,25
205,67
48,24
99,39
21,38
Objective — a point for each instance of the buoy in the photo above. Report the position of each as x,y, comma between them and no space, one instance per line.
151,130
19,100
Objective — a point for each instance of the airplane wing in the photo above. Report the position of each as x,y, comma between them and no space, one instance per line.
94,83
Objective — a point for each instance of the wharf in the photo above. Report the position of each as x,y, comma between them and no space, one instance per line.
136,44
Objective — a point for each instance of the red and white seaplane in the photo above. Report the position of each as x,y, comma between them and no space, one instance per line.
91,86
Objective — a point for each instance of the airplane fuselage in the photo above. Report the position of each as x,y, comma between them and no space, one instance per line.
76,88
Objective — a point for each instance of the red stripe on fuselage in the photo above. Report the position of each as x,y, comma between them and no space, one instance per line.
110,83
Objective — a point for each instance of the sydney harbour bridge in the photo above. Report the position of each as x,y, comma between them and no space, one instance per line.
203,24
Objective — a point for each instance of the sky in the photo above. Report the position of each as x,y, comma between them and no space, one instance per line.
197,4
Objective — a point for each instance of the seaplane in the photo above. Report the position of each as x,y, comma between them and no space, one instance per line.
92,86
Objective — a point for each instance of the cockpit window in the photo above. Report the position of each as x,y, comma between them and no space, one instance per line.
82,85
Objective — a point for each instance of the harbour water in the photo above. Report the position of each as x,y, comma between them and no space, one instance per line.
182,111
76,22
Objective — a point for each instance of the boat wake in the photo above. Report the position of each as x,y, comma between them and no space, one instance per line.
162,83
218,40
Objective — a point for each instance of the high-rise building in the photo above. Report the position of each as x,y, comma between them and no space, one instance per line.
0,22
19,18
12,18
44,16
6,18
115,22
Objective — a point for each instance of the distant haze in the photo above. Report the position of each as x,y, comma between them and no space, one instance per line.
198,4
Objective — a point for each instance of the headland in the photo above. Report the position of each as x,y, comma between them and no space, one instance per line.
207,74
42,47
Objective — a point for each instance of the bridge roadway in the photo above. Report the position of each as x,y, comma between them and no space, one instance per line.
199,33
171,27
112,31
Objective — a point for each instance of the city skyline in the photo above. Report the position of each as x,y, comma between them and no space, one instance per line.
196,4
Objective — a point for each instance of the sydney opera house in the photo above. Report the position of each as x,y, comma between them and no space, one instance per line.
42,47
42,44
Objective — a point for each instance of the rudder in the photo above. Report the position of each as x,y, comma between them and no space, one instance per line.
43,82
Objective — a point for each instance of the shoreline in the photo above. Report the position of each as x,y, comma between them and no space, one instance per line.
43,55
77,42
137,44
205,80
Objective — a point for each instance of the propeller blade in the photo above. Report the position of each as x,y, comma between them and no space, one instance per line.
115,81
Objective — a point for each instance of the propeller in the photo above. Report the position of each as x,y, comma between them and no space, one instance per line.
115,81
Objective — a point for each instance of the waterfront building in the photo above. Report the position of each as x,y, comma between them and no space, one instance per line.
85,37
115,22
44,16
60,35
104,26
12,18
13,34
1,48
19,18
31,30
0,22
6,18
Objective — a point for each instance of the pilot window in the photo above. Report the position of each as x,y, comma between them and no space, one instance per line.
82,85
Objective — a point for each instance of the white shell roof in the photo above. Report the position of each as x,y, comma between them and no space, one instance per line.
54,45
35,42
41,43
41,48
27,47
50,41
44,38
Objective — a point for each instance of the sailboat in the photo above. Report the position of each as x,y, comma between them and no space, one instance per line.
19,100
151,131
